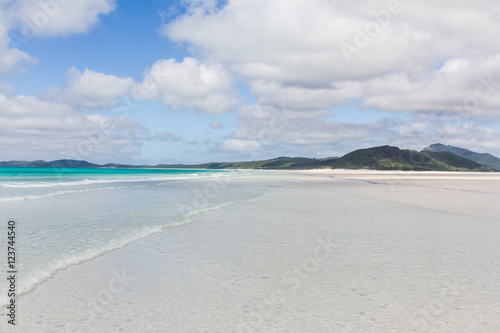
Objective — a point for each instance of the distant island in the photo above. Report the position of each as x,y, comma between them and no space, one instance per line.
484,159
436,157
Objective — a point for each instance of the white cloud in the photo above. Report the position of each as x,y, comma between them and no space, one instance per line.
267,132
280,131
301,97
475,137
299,41
10,57
240,145
58,17
94,90
290,51
268,124
424,57
266,39
40,129
459,86
206,88
433,59
412,129
46,18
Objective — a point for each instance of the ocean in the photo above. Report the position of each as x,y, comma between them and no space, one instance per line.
67,216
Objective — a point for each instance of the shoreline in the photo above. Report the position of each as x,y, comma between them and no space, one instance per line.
396,249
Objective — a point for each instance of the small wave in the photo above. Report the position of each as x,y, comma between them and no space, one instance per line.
38,277
48,195
73,183
206,209
105,181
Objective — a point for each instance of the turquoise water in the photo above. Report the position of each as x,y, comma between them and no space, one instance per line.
33,181
67,216
46,175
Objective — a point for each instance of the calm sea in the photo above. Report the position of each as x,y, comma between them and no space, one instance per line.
67,216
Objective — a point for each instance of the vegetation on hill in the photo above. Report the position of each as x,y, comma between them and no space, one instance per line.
393,158
376,158
275,163
53,164
482,158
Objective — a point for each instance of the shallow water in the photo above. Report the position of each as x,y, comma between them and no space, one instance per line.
67,216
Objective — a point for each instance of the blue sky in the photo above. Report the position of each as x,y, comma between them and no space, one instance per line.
201,80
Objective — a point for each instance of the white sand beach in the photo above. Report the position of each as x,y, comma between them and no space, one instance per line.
323,251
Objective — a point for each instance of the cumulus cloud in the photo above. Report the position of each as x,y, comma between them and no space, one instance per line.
463,86
269,124
94,90
191,85
56,130
308,56
300,41
472,136
58,17
266,132
435,60
293,50
282,131
206,88
240,145
301,97
412,129
29,19
10,58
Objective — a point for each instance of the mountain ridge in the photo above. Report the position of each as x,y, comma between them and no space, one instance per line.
485,159
394,158
375,158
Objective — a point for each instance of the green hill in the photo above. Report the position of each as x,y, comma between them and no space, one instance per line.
278,163
53,164
376,158
482,158
393,158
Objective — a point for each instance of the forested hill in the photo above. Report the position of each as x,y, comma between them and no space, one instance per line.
376,158
482,158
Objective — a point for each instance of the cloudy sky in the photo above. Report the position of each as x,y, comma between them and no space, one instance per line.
169,81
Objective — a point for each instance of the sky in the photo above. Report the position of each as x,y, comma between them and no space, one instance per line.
193,81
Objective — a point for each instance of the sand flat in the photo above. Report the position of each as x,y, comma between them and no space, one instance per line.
467,193
322,252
